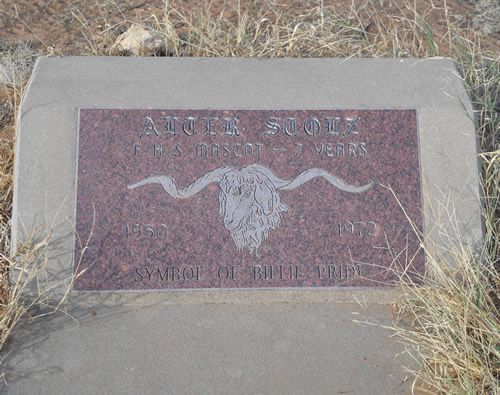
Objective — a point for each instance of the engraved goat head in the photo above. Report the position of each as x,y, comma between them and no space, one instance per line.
249,200
251,207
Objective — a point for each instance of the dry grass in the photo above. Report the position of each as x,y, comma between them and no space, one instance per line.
452,322
455,331
456,314
271,30
488,17
15,64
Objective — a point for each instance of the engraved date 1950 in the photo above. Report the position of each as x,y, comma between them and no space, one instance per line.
150,231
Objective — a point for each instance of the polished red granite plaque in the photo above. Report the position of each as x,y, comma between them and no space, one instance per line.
183,199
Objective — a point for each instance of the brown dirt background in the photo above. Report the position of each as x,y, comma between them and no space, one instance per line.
63,27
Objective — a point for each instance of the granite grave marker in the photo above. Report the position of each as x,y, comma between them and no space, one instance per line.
246,198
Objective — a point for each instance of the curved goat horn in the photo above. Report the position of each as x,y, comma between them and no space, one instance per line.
170,186
308,175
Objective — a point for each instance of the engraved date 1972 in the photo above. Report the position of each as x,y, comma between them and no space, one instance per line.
359,228
148,231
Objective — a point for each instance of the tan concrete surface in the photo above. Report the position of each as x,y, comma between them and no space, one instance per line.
250,348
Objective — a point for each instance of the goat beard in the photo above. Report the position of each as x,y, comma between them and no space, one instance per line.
254,229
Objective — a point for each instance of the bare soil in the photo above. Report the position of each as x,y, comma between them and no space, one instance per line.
67,27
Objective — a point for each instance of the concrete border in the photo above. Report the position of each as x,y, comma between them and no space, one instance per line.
44,186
